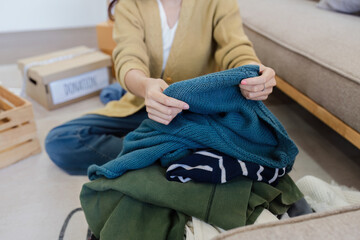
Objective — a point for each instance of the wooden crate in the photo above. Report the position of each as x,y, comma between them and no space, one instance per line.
18,138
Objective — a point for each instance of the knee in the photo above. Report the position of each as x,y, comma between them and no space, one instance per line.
59,138
61,144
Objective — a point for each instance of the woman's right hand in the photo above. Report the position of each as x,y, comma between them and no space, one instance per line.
160,107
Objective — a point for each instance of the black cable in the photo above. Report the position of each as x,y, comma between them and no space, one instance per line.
66,222
88,236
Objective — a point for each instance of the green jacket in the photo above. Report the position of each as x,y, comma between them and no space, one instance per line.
142,204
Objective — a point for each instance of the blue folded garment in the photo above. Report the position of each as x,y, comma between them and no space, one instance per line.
219,118
112,92
211,166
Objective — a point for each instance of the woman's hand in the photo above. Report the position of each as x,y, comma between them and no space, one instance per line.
259,88
160,107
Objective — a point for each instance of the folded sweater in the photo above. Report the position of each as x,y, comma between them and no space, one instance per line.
219,118
210,166
112,92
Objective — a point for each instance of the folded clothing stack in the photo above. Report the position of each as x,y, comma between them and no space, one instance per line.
133,205
219,118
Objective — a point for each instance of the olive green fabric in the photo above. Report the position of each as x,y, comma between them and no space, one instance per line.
142,204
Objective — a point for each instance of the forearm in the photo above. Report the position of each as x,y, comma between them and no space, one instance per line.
135,82
130,52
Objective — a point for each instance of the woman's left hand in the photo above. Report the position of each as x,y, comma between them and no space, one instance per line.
259,88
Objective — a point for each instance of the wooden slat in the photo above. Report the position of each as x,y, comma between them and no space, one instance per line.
328,118
12,98
16,135
19,152
4,105
16,116
17,129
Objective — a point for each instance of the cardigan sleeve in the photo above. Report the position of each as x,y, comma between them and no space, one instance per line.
234,49
128,33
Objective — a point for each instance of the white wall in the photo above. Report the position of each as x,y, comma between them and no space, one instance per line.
27,15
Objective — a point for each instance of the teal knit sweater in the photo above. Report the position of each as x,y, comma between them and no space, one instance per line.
219,118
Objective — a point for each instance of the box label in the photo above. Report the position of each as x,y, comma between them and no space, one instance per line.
74,87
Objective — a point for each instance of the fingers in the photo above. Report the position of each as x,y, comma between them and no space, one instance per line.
171,102
161,113
262,95
157,95
160,117
257,83
160,107
164,104
259,88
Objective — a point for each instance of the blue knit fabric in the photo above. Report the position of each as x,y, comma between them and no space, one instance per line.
219,118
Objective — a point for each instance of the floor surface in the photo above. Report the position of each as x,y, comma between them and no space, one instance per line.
36,196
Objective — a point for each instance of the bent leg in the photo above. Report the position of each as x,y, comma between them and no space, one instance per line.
90,139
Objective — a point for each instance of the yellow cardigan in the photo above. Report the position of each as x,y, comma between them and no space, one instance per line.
209,37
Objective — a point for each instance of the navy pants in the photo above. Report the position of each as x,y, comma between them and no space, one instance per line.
90,139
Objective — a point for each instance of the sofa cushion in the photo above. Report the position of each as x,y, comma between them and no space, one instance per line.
316,51
327,38
334,92
345,6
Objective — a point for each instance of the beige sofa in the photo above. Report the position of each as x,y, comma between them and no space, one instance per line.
316,55
337,224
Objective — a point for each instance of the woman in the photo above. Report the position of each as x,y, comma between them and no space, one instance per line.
159,42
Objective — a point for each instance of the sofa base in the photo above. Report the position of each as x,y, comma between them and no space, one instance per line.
318,111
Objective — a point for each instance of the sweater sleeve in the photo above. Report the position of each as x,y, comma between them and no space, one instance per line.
234,49
130,51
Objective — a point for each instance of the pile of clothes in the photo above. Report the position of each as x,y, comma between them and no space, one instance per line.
227,160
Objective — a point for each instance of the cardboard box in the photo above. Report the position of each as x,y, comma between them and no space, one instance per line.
105,40
60,78
18,138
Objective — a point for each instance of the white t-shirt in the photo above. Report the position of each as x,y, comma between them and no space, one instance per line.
168,34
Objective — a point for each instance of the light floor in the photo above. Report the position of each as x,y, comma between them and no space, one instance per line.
36,196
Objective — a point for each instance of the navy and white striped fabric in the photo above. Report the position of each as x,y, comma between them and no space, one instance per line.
214,167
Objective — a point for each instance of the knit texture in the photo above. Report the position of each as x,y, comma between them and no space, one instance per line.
219,118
